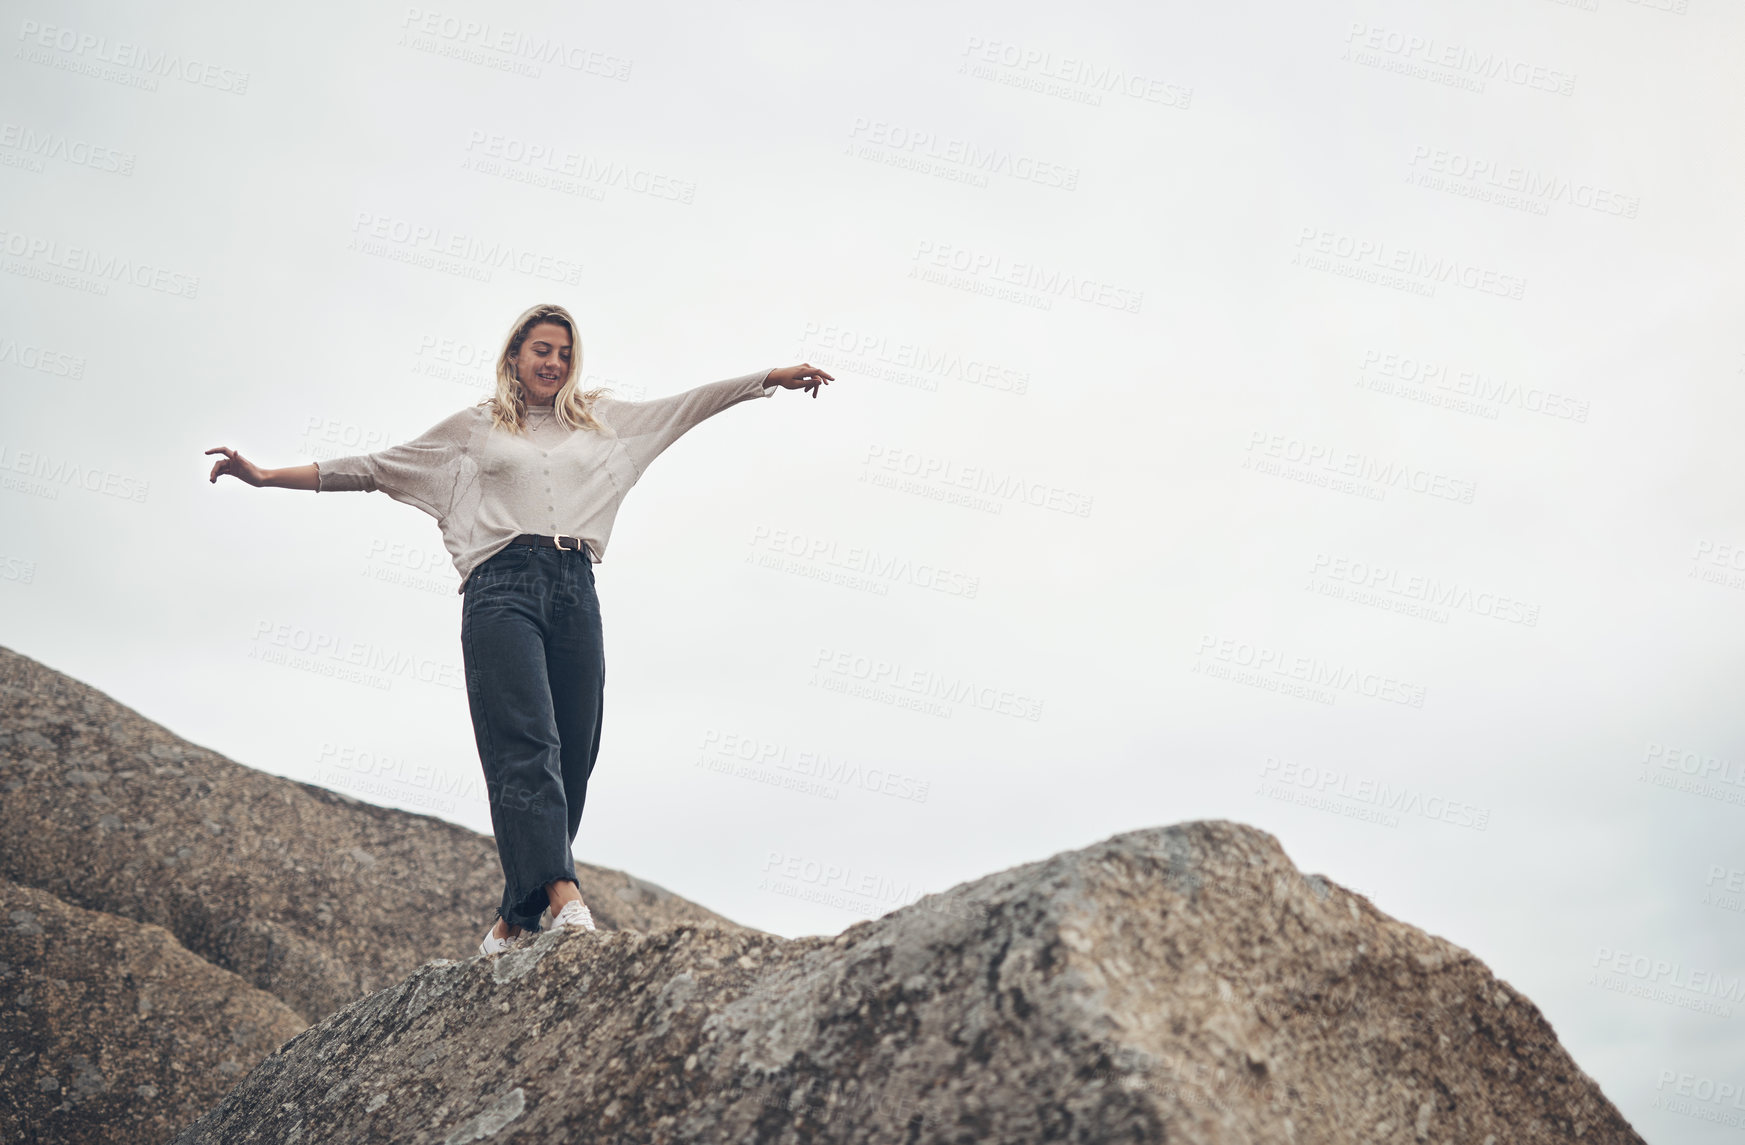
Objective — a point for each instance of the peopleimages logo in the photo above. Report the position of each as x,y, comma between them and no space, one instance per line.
1425,374
31,357
1384,798
1385,258
1274,667
388,235
1095,79
58,472
320,651
931,469
90,49
720,747
1427,590
1693,763
922,683
101,265
1456,58
1533,185
53,145
871,350
923,144
1729,1094
825,554
422,28
1047,281
840,885
1380,473
554,159
1663,980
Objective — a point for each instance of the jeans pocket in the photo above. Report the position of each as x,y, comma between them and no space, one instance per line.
512,557
505,562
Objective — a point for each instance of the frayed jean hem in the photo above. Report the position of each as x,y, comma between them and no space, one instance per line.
539,901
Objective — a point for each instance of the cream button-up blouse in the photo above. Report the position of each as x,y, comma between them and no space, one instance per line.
484,485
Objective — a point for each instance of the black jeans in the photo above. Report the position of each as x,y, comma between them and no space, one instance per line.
536,678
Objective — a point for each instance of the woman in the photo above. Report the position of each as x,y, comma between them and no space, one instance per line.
525,486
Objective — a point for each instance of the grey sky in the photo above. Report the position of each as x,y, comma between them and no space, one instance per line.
1314,416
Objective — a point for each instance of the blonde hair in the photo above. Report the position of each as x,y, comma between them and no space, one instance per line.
571,405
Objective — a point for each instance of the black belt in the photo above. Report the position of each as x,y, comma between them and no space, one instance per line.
558,542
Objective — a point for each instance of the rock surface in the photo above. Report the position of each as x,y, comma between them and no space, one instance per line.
111,1031
310,895
1183,984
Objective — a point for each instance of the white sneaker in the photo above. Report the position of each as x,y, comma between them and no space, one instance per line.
574,915
492,944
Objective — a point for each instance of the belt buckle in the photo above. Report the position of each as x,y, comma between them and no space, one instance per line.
558,541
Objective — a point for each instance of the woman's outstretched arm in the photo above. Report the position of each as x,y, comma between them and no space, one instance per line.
425,472
647,428
236,465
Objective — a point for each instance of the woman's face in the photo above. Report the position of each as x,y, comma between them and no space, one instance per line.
544,362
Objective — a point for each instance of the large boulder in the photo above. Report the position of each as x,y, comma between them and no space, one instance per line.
112,1031
1183,984
310,895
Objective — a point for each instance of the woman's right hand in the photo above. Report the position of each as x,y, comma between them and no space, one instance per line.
236,465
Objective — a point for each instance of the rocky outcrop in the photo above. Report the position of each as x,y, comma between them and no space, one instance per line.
312,896
1183,984
173,916
112,1031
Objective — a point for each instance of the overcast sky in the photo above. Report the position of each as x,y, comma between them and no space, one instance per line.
1316,416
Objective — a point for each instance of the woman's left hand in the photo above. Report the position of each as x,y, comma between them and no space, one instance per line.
805,376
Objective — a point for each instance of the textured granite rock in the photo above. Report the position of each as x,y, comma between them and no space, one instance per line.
1181,984
311,895
111,1031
